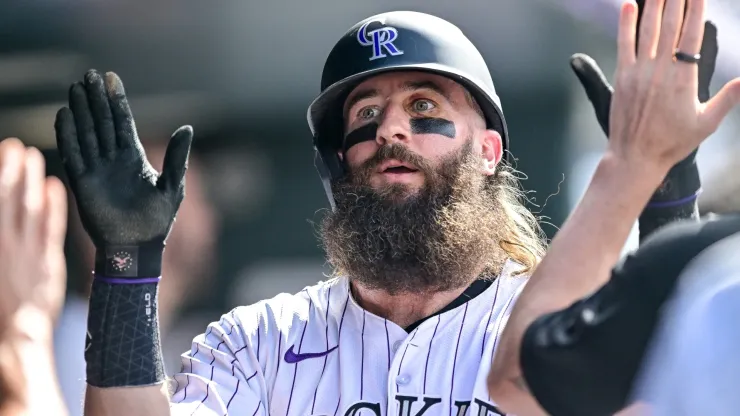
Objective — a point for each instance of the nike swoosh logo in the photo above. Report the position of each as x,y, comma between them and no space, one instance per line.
292,358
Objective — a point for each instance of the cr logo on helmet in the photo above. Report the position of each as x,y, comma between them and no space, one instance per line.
379,39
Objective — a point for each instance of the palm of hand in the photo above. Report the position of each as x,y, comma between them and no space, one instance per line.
121,198
121,204
656,116
32,230
640,114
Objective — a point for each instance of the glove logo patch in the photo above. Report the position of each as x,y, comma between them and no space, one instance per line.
121,261
380,39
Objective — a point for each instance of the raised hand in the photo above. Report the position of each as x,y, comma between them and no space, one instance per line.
33,275
675,199
655,116
125,205
599,91
33,221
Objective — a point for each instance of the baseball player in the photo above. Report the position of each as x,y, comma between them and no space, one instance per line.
664,123
427,234
425,219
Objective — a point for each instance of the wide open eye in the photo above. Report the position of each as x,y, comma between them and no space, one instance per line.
423,105
368,113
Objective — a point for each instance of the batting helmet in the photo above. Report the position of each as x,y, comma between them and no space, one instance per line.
395,41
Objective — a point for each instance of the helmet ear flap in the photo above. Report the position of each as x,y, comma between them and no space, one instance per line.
327,142
328,163
330,168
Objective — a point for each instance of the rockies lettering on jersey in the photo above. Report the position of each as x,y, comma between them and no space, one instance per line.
319,353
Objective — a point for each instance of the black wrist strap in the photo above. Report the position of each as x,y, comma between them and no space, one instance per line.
652,219
123,346
681,185
132,261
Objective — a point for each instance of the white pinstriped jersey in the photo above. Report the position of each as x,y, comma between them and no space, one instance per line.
319,353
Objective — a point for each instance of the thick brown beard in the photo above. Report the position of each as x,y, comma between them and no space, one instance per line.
439,238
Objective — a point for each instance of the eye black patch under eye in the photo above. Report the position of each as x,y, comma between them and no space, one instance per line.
362,134
430,125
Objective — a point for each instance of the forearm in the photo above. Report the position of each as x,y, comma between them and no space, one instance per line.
119,401
125,373
29,382
590,242
581,254
13,394
29,378
42,384
512,397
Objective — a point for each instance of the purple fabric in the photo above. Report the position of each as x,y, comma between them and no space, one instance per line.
121,281
676,203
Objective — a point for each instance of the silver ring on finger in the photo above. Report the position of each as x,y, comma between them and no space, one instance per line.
686,57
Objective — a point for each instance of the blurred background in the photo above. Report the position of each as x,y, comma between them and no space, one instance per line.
243,73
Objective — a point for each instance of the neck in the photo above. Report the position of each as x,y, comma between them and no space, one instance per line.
403,309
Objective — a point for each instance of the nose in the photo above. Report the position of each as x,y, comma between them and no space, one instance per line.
394,126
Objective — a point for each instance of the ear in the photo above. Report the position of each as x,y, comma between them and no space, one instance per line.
341,155
492,150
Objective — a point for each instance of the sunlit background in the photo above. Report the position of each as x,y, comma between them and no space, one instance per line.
243,73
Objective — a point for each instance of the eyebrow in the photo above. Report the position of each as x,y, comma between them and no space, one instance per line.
359,96
427,85
407,86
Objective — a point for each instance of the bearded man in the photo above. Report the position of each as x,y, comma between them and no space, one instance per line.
427,233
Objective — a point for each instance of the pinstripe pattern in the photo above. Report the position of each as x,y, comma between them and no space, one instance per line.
429,354
326,324
490,315
235,366
454,358
295,371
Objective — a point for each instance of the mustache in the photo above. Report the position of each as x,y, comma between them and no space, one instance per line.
398,152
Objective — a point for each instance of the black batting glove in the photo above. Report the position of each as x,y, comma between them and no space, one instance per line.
676,198
125,205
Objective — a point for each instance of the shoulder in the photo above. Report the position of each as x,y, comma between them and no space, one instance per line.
717,264
512,280
261,327
673,247
284,310
689,350
499,299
